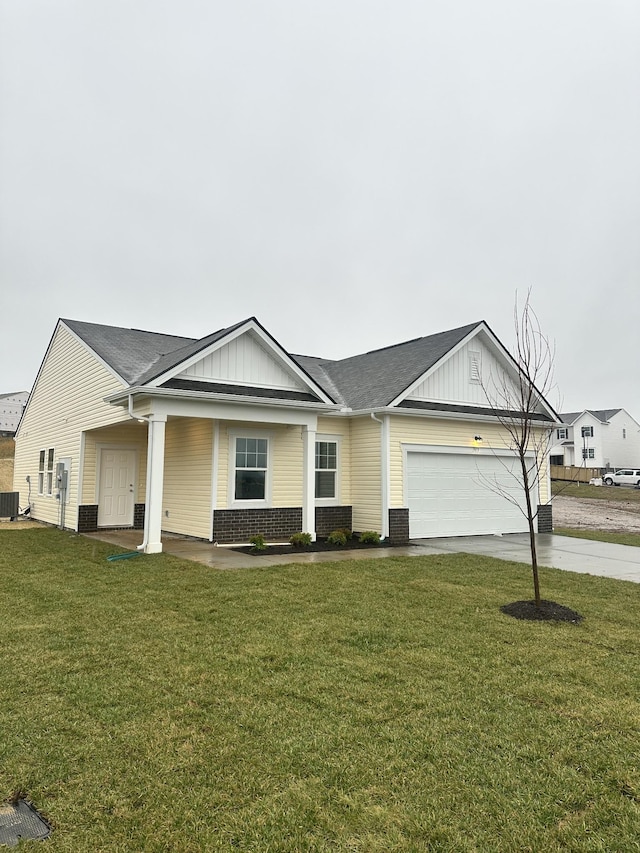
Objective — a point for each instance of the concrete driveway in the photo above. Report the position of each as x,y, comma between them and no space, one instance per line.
560,552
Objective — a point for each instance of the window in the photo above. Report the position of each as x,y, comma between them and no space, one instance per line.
587,432
326,470
556,460
562,432
588,453
251,466
45,472
624,432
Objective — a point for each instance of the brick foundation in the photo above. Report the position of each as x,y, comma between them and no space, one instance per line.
237,525
399,526
138,516
330,518
545,519
87,518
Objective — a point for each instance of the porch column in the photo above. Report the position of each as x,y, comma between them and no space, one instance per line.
152,543
309,495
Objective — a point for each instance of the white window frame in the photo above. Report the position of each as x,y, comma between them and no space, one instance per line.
232,501
586,432
46,471
334,501
588,453
563,433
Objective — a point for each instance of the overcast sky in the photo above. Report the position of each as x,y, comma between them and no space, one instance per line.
354,173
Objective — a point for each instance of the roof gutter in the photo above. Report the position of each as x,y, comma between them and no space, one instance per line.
122,397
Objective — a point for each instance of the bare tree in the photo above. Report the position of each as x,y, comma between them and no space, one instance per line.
517,400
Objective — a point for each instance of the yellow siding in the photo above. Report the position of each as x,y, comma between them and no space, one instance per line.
130,434
67,399
187,477
366,474
439,431
287,466
341,427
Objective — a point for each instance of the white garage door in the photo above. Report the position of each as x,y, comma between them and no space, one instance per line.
449,495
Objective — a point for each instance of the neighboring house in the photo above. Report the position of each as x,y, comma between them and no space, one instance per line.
597,438
231,435
11,407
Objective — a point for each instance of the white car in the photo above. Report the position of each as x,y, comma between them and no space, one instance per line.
623,477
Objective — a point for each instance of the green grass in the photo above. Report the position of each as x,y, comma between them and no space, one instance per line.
600,535
385,705
603,493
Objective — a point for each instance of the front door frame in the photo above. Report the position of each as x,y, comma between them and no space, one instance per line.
102,448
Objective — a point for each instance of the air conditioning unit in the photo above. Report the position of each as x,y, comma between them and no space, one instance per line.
9,507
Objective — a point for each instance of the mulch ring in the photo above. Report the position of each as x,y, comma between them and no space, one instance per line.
549,611
319,545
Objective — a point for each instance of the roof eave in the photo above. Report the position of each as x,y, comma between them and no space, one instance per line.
121,398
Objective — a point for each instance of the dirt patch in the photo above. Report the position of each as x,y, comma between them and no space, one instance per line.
549,611
593,514
6,475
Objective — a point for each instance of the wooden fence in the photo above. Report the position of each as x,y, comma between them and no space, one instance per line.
574,474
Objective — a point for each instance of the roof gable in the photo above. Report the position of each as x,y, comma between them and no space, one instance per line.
375,379
244,355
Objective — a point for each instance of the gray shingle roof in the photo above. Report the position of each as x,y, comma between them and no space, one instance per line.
602,414
375,378
370,380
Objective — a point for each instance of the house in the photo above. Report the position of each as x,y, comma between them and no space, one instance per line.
11,408
231,435
596,438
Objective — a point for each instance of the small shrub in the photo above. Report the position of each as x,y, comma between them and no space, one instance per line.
369,537
300,540
258,542
347,532
337,537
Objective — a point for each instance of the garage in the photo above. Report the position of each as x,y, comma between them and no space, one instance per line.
453,492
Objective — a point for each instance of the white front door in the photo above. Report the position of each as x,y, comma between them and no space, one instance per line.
117,487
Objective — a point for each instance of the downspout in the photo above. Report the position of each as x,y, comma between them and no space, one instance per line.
384,473
140,418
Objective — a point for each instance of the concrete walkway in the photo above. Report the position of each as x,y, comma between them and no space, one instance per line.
561,552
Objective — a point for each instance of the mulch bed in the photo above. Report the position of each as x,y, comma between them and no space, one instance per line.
319,545
549,611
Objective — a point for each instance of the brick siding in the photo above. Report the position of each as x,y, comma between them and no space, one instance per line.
330,518
545,519
399,526
238,525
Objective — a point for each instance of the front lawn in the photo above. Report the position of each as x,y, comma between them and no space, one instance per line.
153,704
600,535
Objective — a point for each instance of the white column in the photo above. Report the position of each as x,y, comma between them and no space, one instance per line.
309,495
152,543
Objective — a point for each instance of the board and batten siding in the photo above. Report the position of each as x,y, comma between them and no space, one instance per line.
188,455
366,474
455,380
244,361
67,399
340,426
442,432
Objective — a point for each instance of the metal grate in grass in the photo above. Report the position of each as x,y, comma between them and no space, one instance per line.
20,820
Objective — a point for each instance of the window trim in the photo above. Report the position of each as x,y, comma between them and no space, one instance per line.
335,500
562,433
46,471
238,503
586,432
